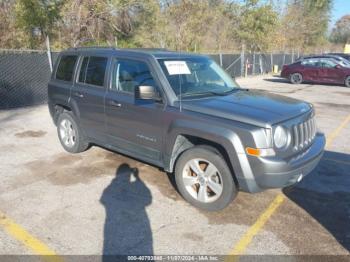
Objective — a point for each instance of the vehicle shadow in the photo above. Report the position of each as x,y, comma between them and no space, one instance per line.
277,79
127,228
325,195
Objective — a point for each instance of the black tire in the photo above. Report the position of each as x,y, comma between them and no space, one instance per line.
347,81
296,78
80,143
228,187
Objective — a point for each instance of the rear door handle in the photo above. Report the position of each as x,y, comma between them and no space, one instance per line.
115,103
78,94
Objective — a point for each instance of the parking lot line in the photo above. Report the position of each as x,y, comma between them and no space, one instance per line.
256,227
37,247
336,132
19,233
248,236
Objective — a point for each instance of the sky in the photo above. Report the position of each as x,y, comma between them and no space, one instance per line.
340,8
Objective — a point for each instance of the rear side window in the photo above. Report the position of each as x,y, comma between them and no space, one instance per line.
92,70
65,68
95,72
310,62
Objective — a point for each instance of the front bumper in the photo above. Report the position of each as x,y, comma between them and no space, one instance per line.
272,172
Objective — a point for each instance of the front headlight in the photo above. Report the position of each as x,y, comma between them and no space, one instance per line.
280,137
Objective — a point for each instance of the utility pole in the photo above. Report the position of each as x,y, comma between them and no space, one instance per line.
48,48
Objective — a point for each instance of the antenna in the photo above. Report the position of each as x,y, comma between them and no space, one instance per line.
180,81
180,101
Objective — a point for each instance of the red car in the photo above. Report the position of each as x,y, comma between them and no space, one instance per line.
317,70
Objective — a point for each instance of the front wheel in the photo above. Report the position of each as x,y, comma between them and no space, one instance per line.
204,179
296,78
347,81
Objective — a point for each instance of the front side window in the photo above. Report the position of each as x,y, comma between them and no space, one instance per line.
65,69
92,70
197,76
131,73
328,63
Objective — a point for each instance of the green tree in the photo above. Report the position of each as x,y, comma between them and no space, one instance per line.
305,23
193,25
137,23
341,31
188,22
38,14
110,22
317,17
10,36
257,23
84,23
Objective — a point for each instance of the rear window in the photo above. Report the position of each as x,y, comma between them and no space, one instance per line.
65,68
95,71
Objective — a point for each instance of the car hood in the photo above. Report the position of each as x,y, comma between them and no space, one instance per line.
258,108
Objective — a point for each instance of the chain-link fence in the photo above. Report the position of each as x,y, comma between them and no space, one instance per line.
24,74
23,78
246,64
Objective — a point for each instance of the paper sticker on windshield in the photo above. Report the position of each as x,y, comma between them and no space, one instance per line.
177,68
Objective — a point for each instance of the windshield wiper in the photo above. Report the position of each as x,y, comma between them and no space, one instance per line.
225,92
228,92
213,92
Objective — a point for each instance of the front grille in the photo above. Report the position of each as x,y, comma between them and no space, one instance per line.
303,134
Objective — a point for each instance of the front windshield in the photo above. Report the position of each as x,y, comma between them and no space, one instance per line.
197,76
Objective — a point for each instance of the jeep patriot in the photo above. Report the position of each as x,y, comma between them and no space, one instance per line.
183,113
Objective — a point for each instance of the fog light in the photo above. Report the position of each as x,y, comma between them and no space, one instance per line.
300,178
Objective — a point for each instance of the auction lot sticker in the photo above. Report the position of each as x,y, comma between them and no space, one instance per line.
177,68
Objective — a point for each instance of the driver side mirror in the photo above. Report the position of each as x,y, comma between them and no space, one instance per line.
338,66
147,93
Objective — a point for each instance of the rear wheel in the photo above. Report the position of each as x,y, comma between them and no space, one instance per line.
296,78
347,81
69,133
204,179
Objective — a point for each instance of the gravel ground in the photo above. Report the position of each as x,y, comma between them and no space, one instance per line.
92,203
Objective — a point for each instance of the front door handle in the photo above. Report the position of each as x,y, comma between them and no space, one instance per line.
78,94
115,103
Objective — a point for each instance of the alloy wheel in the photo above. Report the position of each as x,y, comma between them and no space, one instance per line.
202,180
67,133
296,78
347,81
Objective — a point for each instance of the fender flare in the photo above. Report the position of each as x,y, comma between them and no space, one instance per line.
227,138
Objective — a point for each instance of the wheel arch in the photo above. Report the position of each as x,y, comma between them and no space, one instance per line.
184,134
185,141
59,107
345,80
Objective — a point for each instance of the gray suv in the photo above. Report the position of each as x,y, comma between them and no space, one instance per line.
183,113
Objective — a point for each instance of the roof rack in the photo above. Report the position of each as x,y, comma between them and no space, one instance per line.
148,49
114,48
92,47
